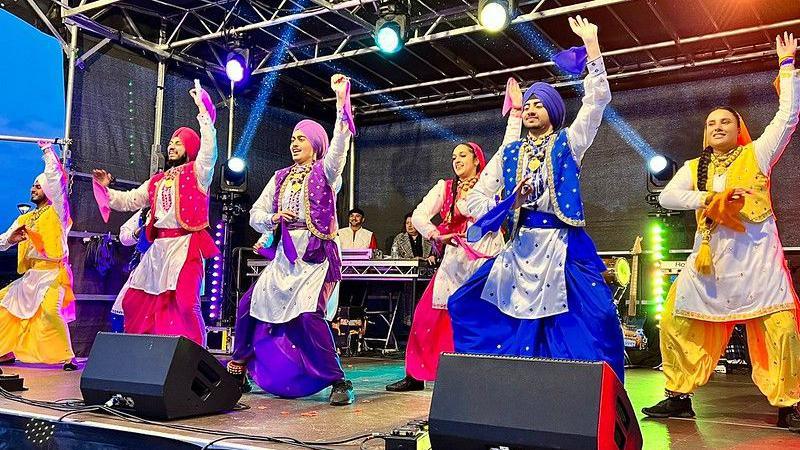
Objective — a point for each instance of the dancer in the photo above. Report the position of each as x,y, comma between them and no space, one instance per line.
736,272
282,337
431,333
544,294
35,308
163,295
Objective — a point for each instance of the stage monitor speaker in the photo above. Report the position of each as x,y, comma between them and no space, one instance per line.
158,377
492,402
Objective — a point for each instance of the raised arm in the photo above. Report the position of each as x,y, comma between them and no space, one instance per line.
207,156
514,124
430,205
55,183
336,157
262,211
770,145
597,93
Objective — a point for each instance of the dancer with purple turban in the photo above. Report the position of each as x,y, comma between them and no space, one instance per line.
282,337
544,294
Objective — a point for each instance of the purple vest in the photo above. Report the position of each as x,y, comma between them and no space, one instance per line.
320,203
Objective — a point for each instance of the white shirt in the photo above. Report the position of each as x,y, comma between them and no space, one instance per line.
283,291
527,280
355,239
162,262
750,278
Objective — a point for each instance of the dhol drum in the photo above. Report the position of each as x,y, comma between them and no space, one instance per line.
617,276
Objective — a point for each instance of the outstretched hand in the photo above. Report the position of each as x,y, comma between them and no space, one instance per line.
18,235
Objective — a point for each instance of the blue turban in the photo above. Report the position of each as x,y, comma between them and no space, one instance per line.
551,100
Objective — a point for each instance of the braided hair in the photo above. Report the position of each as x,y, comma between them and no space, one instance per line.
454,187
705,156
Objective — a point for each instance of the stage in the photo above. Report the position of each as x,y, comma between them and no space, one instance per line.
732,414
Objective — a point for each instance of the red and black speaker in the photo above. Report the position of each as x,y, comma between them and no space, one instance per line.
482,402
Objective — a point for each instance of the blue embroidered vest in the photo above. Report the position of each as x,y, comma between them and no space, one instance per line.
563,179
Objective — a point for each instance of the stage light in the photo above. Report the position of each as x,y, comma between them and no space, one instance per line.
236,65
660,170
390,28
23,208
388,37
495,15
234,175
657,164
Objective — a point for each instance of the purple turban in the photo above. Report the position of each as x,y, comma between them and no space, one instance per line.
315,134
551,100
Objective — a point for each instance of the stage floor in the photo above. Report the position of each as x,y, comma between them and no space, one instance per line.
731,412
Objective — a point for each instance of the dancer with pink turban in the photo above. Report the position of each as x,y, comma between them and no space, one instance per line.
282,337
163,295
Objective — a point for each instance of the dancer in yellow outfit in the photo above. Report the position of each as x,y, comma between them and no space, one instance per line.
736,272
32,308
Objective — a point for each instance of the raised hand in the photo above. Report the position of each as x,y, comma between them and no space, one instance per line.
339,85
197,97
102,177
785,46
587,31
514,93
44,145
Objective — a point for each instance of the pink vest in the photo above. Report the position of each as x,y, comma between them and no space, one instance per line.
191,203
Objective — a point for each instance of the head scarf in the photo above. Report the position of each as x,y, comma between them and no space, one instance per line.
478,151
315,134
190,141
551,100
743,138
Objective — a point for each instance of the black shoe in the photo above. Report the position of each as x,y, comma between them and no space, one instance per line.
407,384
69,366
789,417
342,393
671,407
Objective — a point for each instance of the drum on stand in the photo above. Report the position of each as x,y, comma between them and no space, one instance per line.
617,277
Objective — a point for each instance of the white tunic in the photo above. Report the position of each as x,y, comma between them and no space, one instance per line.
751,278
527,280
456,267
355,239
161,264
26,293
283,291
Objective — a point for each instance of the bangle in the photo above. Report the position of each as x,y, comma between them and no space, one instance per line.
787,61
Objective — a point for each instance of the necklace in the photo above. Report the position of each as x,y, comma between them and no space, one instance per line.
723,162
464,186
36,214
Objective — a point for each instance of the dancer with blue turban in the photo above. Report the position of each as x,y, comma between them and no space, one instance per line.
544,294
